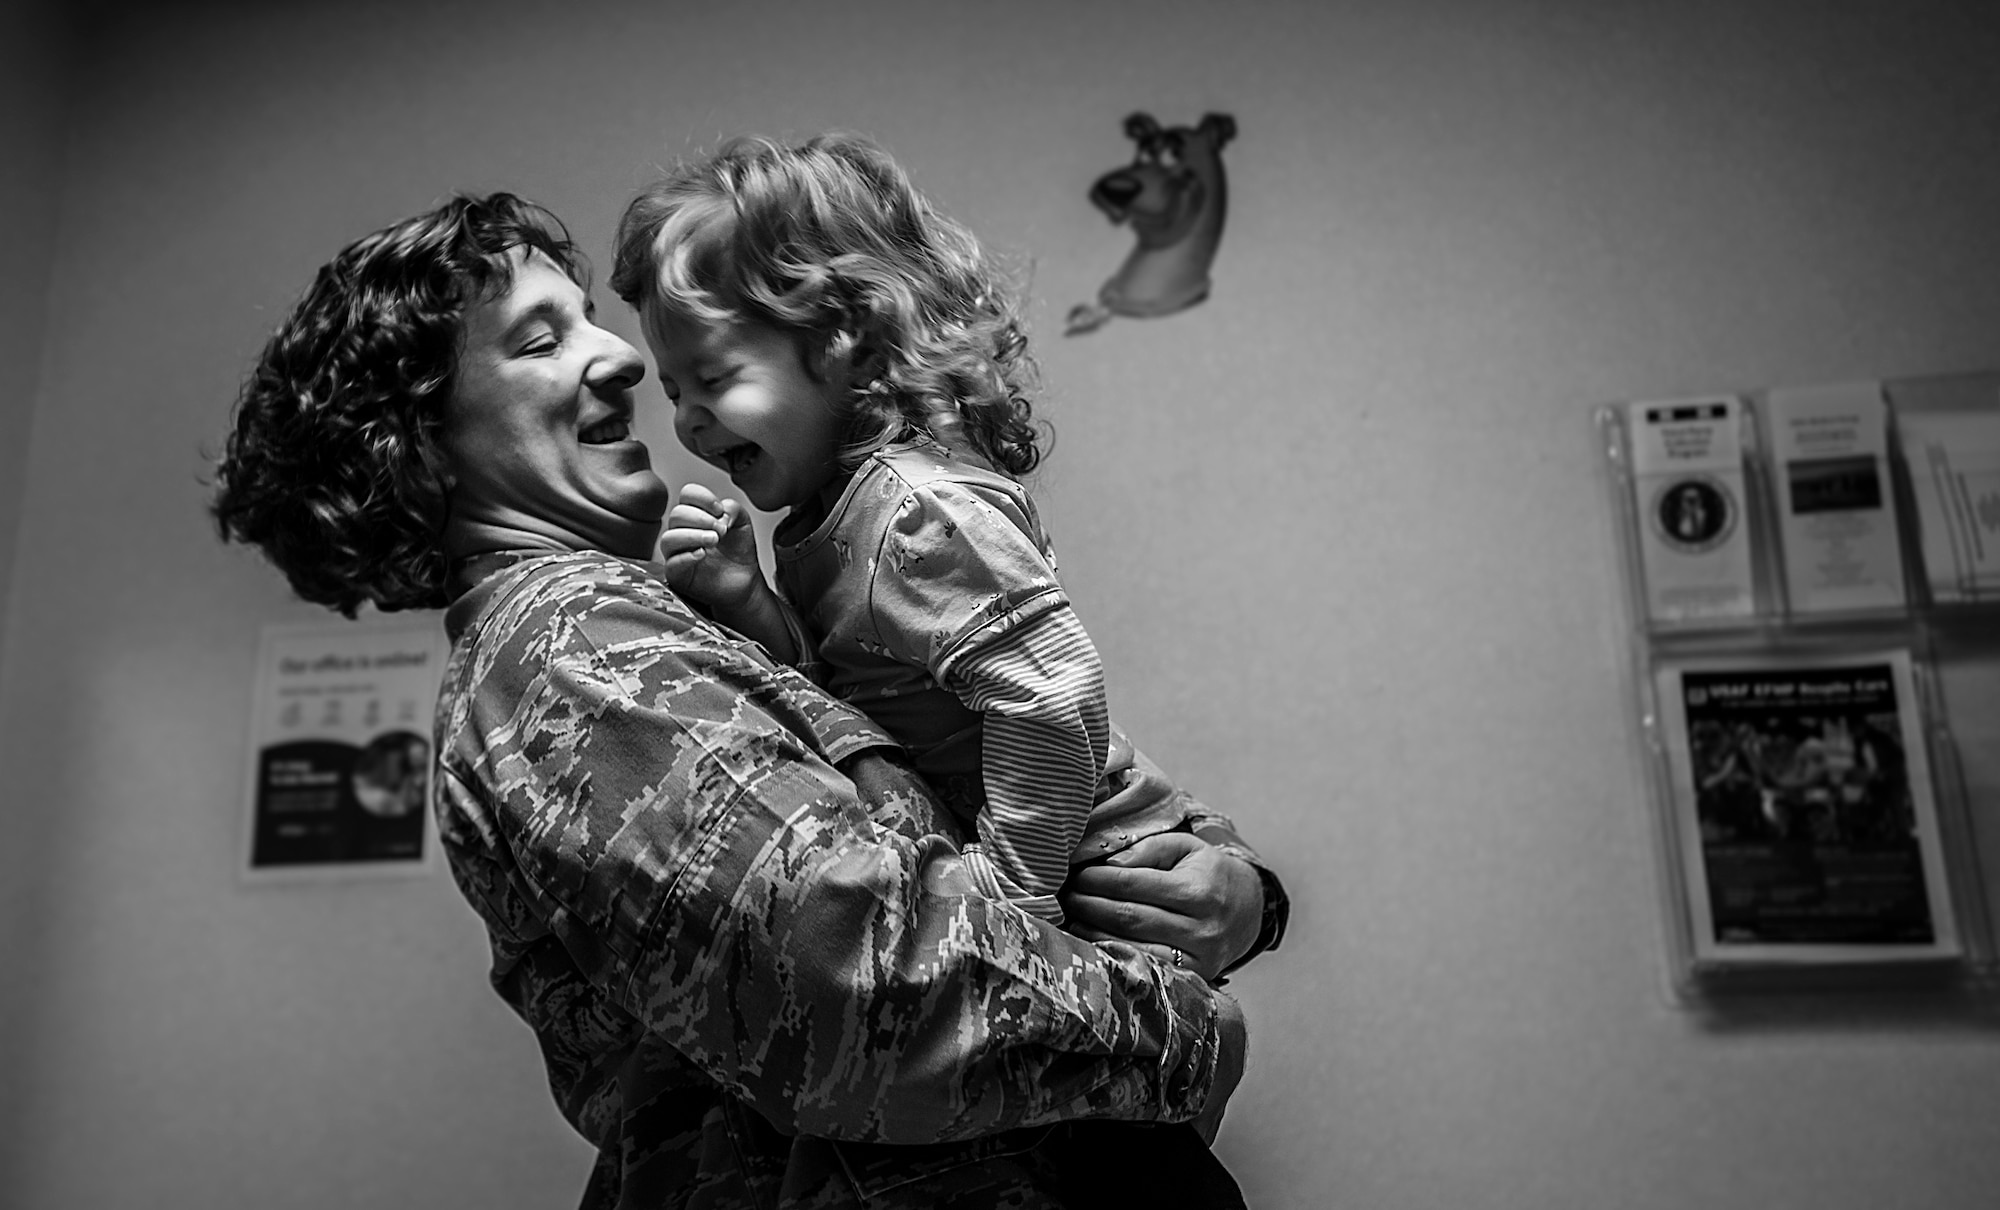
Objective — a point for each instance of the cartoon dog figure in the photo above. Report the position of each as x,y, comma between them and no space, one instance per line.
1175,196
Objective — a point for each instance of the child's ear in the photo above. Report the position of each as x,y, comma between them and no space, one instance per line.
828,359
845,362
866,366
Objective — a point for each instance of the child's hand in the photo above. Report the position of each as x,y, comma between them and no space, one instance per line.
710,551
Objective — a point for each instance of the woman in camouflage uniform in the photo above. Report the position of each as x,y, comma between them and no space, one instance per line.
738,926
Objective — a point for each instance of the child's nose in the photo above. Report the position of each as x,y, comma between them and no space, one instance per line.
690,421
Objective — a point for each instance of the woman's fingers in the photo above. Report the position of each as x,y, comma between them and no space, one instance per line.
1151,886
1180,944
1122,918
1172,890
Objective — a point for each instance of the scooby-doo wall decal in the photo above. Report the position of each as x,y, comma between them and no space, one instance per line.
1175,197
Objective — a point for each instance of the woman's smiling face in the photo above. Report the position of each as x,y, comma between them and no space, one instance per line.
538,430
744,401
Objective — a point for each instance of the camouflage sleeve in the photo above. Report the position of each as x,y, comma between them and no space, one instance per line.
1219,830
1140,799
675,814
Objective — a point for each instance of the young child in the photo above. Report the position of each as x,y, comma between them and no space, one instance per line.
849,355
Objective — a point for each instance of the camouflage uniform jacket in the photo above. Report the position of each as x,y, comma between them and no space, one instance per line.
745,943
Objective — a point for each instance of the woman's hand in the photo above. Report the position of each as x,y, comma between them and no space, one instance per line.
710,551
1170,893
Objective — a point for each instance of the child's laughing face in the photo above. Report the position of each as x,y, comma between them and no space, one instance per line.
744,401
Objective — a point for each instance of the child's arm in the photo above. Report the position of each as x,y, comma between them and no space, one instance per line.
710,555
963,586
1039,689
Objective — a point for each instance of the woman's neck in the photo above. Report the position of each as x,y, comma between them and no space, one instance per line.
468,537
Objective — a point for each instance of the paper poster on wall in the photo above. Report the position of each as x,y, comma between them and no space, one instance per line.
340,751
1806,809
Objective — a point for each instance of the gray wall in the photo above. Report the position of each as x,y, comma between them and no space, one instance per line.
1339,531
33,47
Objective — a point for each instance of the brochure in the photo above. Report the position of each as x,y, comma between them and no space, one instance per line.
1805,810
1954,463
1836,511
1687,473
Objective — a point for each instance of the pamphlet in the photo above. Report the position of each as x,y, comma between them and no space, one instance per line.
1805,809
1836,511
1954,463
340,749
1687,464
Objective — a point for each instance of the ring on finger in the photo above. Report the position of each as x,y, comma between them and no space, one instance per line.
1180,959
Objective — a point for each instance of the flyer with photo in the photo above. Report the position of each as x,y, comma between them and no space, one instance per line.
1805,809
340,749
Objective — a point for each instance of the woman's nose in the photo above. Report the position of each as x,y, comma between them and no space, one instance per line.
618,366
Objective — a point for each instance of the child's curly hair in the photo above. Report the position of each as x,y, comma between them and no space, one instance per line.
332,465
830,240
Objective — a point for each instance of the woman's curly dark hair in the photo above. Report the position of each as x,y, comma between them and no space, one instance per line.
332,465
830,240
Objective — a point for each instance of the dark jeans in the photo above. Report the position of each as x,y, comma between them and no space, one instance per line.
1140,1164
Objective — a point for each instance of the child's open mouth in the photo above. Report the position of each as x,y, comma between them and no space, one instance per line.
736,459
